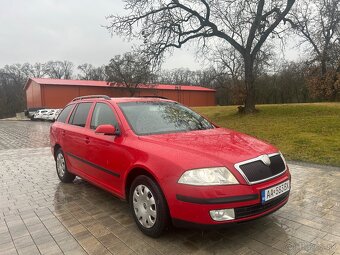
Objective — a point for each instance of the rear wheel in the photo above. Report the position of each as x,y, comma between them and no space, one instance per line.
148,206
63,174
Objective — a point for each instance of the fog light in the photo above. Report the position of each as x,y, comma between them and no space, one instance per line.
221,215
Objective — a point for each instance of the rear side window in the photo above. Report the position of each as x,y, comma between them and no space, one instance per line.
80,115
103,114
63,115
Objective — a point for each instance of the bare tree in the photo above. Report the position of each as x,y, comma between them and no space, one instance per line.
185,76
179,76
15,72
37,70
228,67
13,78
12,95
130,69
89,72
59,69
228,63
286,85
167,24
318,23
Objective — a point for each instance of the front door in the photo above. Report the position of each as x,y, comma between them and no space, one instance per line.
107,154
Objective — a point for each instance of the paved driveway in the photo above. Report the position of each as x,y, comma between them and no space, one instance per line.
38,214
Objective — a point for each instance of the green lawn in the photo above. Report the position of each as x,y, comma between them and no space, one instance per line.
304,132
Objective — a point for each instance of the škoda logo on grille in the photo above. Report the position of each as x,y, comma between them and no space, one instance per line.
265,159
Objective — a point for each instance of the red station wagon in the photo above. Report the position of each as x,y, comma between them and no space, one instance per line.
171,164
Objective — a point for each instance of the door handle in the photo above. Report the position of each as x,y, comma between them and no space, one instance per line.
87,140
63,132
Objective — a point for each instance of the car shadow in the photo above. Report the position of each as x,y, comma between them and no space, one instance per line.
82,203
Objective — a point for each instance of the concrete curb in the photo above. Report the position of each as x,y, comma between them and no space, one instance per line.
14,119
307,164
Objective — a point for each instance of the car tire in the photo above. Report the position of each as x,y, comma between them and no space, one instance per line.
148,206
62,171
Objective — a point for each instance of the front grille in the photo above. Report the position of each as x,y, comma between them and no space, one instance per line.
256,170
246,211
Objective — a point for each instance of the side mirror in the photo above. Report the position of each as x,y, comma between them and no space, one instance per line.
107,130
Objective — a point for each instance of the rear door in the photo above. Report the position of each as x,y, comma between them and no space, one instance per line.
58,128
75,138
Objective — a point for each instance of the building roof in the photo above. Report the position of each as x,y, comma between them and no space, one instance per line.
49,81
62,82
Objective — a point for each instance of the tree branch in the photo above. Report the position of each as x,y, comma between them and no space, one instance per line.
255,25
269,30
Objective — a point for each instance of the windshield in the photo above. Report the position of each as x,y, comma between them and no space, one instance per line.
162,117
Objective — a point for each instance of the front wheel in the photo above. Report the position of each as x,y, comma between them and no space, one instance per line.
63,174
148,206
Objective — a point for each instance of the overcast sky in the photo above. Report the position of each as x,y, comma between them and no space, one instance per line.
41,30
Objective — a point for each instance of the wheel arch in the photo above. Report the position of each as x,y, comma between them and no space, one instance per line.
133,173
55,149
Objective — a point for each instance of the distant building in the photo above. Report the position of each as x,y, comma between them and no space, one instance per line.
56,93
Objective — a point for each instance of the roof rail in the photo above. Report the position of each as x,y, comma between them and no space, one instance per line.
155,97
91,96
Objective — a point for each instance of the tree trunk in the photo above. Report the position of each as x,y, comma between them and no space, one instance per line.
323,65
249,104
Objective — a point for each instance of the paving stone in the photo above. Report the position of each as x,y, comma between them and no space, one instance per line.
23,242
7,248
22,134
29,250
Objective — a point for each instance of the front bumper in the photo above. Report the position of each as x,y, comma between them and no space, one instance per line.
193,204
189,224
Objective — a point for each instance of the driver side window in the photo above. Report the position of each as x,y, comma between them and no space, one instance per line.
103,114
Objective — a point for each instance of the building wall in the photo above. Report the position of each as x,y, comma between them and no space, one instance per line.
119,92
186,97
84,91
58,96
54,96
33,95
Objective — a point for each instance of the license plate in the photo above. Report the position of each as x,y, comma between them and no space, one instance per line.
274,191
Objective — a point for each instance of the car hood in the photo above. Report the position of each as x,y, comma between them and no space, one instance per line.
218,145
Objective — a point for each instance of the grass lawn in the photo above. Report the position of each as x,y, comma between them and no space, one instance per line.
304,132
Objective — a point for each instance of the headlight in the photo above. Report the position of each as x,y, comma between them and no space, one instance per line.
208,176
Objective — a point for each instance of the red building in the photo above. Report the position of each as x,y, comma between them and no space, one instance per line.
56,93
